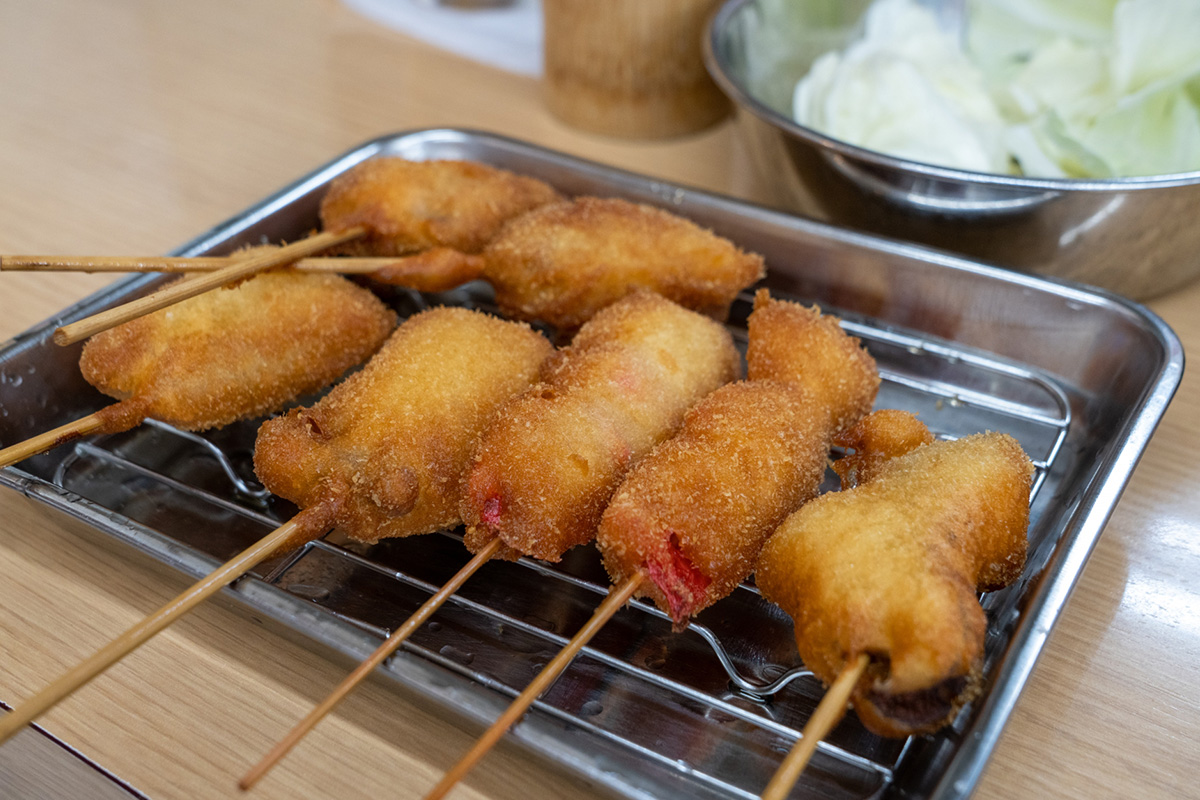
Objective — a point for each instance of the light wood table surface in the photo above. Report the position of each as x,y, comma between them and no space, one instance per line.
129,126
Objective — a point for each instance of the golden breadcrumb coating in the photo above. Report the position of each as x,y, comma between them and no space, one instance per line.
388,446
549,463
237,352
816,355
565,261
409,206
891,569
694,514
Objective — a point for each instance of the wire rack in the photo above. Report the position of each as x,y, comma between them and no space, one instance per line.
718,704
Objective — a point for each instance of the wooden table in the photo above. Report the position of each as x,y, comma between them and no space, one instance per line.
130,126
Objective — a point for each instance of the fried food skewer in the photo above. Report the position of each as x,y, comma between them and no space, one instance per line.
687,522
242,268
696,512
549,463
224,356
384,206
564,261
393,440
410,415
623,384
408,207
889,569
444,223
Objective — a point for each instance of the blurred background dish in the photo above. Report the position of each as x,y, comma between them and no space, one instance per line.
1132,235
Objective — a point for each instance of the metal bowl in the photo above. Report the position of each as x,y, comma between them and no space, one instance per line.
1136,236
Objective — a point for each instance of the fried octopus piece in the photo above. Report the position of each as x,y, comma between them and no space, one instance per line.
412,206
388,446
563,262
891,569
694,514
554,455
235,353
876,439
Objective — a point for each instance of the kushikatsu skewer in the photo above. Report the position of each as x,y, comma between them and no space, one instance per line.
901,555
389,206
564,261
547,466
409,207
696,512
224,356
552,455
686,524
444,223
560,265
239,269
369,458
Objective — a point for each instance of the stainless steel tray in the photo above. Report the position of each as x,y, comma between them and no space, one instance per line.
1080,377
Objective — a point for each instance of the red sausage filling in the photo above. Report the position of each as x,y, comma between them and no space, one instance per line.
682,584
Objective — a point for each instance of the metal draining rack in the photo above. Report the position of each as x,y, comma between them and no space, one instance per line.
719,703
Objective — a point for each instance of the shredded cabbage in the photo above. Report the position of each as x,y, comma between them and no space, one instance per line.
1054,88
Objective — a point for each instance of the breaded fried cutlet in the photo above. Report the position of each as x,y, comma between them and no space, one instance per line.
388,446
891,569
235,353
563,262
549,463
694,514
411,206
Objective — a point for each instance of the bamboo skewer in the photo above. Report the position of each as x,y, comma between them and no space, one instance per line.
237,270
617,597
393,642
351,265
52,438
306,525
828,712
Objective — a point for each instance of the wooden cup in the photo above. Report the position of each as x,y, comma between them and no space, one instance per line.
630,68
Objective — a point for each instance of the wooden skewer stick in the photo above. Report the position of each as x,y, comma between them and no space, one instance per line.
306,525
364,669
828,712
341,264
617,597
52,438
241,268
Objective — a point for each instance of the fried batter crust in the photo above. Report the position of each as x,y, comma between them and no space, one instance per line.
891,568
236,353
549,463
409,206
694,514
876,439
390,443
565,261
